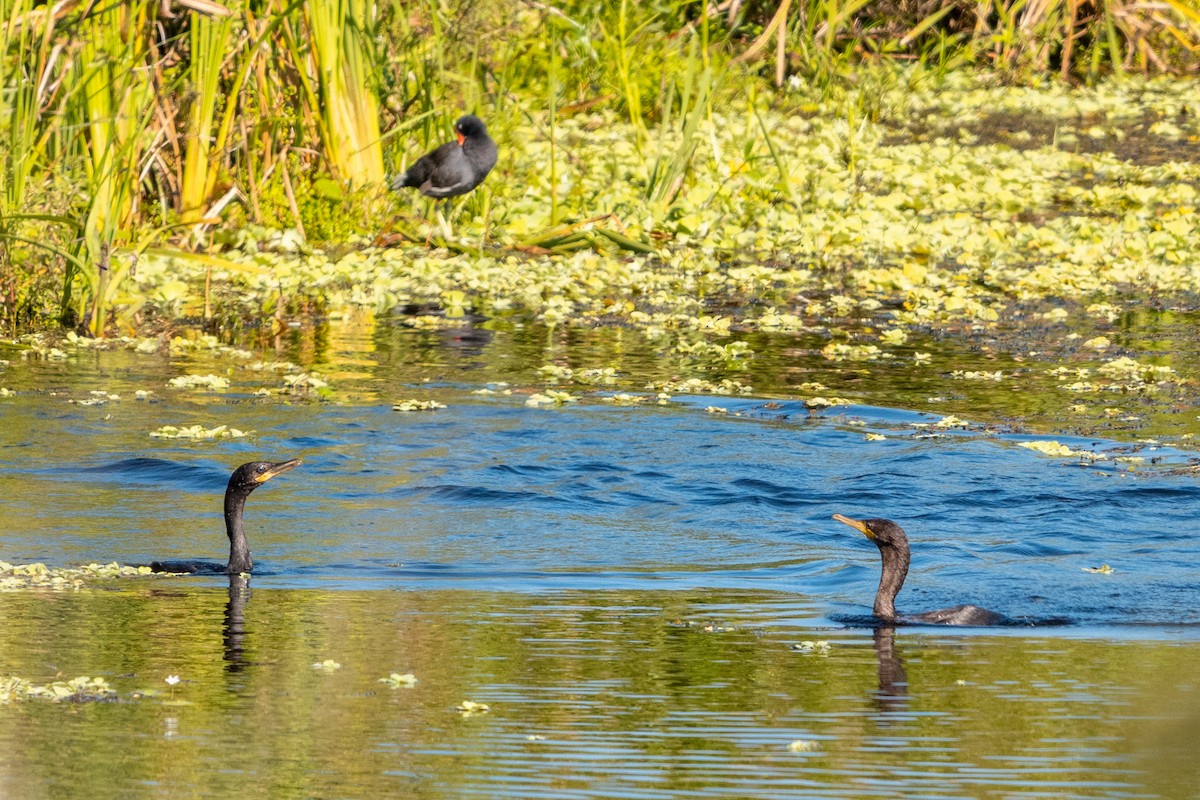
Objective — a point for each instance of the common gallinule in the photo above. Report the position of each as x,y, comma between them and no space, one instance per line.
456,167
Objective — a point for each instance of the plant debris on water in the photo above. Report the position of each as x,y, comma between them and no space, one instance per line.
398,681
417,405
198,432
26,576
76,690
470,708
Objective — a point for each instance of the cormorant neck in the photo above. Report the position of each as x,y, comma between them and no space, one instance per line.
895,569
239,548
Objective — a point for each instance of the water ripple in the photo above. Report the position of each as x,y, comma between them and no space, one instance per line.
687,497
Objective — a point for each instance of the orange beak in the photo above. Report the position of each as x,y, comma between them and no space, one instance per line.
460,138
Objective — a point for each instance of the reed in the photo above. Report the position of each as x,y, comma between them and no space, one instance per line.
212,38
28,61
341,59
113,107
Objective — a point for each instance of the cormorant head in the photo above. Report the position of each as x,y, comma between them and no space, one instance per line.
883,532
248,477
469,126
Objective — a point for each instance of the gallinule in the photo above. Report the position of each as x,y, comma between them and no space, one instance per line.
455,168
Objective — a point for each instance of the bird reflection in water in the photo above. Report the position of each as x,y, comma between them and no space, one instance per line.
893,680
233,633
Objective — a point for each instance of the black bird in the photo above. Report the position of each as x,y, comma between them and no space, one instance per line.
456,167
244,480
893,549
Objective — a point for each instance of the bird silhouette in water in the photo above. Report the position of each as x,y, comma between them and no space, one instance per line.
454,168
244,480
894,551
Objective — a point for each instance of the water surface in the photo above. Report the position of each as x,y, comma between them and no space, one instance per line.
622,585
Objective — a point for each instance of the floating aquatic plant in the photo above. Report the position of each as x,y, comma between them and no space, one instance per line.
814,403
206,343
417,405
398,681
305,383
198,432
702,386
37,575
556,373
76,690
622,399
198,382
1055,448
432,323
550,398
96,398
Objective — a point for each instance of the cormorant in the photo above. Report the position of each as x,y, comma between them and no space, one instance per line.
244,480
893,550
456,167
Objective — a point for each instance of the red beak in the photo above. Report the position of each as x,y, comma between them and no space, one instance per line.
460,138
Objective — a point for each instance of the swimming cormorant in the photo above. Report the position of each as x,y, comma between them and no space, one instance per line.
893,550
244,480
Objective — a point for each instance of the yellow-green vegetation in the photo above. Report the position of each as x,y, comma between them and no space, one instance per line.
198,432
397,680
199,382
902,223
1053,448
145,140
76,690
27,576
417,405
550,397
469,708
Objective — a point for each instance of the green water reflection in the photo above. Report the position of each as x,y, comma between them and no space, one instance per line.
597,694
368,359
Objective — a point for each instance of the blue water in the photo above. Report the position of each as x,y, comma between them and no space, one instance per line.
488,494
625,586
